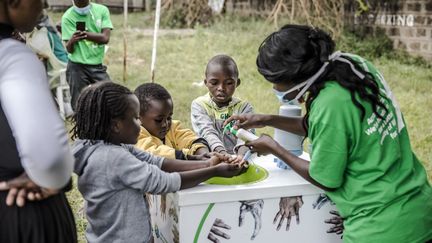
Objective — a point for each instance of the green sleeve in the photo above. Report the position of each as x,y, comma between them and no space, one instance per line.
329,154
332,123
68,27
106,19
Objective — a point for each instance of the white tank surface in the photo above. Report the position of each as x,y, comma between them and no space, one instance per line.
287,140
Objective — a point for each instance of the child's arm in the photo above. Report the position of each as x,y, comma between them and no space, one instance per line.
149,145
129,169
202,150
187,141
242,149
172,165
140,171
195,177
175,165
203,125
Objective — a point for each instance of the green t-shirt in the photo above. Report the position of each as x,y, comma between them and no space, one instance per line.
381,188
85,51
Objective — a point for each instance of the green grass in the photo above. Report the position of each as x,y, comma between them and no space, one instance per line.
181,61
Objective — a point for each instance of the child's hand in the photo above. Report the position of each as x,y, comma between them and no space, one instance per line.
218,158
237,159
203,156
229,170
241,152
242,162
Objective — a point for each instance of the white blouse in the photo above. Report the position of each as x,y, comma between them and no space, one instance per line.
39,132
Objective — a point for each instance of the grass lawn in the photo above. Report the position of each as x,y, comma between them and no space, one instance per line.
181,61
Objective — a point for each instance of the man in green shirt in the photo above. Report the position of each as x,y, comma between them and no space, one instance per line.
86,29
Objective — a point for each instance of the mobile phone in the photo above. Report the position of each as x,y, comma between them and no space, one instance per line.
80,25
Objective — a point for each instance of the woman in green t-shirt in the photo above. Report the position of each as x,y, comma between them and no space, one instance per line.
361,153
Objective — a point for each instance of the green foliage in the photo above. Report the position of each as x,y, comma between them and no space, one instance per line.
376,44
369,46
174,18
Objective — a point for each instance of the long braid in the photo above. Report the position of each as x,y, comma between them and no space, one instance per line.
296,52
97,106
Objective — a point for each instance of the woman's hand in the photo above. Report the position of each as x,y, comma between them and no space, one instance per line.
22,188
263,145
247,121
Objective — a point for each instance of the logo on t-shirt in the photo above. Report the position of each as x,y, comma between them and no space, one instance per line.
99,23
385,125
224,116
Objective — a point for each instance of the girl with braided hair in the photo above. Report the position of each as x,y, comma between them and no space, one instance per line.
113,175
361,153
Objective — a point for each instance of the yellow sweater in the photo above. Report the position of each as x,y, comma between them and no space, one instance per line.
177,139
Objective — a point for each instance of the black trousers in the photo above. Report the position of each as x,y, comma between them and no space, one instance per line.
80,76
47,221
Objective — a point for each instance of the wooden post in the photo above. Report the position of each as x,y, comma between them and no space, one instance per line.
125,27
147,5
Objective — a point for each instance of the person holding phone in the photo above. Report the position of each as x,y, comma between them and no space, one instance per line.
86,29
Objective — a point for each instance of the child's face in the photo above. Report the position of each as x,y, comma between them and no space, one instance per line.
157,119
126,130
221,83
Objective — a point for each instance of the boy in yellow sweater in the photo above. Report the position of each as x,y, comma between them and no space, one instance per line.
160,135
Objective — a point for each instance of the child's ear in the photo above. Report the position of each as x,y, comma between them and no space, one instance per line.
115,126
238,82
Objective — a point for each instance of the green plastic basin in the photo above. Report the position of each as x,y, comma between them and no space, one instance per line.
253,174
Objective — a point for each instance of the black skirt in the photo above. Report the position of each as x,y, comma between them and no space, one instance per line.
46,221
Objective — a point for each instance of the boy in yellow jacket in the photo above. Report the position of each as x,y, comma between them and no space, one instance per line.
160,135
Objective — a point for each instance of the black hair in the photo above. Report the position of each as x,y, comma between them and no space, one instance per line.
225,61
296,52
97,105
150,91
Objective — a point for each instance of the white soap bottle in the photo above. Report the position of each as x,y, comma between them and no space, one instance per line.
241,133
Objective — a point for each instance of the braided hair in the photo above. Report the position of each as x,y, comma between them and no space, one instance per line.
296,52
97,106
150,91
